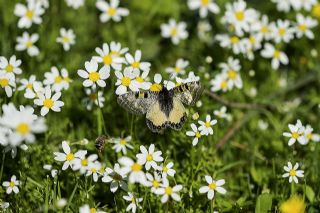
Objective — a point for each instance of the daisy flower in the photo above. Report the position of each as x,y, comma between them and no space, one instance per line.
221,113
303,4
94,169
121,144
43,3
191,77
292,172
23,123
156,86
10,66
66,38
82,162
166,169
261,28
310,136
111,56
116,178
26,42
194,133
12,185
206,127
92,76
141,80
94,97
283,5
167,191
133,169
7,82
175,31
27,83
67,157
212,186
111,10
75,4
282,31
231,42
204,6
240,17
231,70
48,101
179,68
296,134
86,209
135,63
126,80
277,56
153,181
31,91
134,202
220,82
149,157
29,14
57,80
304,24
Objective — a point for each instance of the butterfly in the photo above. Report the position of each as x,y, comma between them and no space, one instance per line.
163,108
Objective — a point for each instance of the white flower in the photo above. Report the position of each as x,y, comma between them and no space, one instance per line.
133,169
194,133
231,70
67,157
57,80
303,4
304,24
121,144
111,56
179,68
277,56
29,14
212,186
261,28
221,113
220,82
32,88
153,181
4,205
93,169
67,38
126,80
48,101
231,42
135,63
310,136
283,5
82,162
116,177
26,42
43,3
282,31
7,82
134,202
296,134
94,97
156,86
240,17
92,76
166,169
191,77
167,191
75,4
175,31
86,208
111,11
149,157
204,6
206,127
23,124
12,185
263,125
11,65
141,80
292,172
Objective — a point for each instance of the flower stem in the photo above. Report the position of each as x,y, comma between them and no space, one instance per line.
212,205
2,164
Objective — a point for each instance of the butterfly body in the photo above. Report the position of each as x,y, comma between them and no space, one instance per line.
163,108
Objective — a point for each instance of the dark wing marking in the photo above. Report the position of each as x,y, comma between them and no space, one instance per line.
188,93
137,102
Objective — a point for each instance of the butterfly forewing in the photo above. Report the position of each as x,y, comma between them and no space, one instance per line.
188,93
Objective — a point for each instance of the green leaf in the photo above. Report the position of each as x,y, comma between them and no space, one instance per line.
264,203
310,194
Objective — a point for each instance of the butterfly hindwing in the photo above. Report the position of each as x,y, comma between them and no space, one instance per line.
188,93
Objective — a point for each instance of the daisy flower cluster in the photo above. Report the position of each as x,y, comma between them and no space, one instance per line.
111,10
297,5
9,68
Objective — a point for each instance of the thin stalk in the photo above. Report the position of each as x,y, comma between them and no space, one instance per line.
2,164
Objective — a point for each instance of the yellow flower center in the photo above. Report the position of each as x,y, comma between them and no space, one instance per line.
252,40
84,162
12,184
135,64
302,27
93,96
264,29
168,190
174,31
65,39
93,170
23,128
70,157
212,186
67,79
111,11
136,167
282,31
149,157
155,184
58,80
123,142
29,44
207,124
139,79
198,135
29,14
94,76
4,82
93,210
234,39
309,136
107,59
29,86
126,81
239,15
316,11
295,135
292,172
155,87
48,103
165,169
204,2
223,84
9,68
276,54
177,69
232,74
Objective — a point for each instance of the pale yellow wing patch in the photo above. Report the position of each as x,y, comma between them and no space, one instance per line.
156,119
177,112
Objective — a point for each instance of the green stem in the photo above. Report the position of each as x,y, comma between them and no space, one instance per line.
2,164
102,118
292,188
212,205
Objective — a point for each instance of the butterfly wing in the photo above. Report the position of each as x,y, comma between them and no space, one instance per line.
137,102
178,115
188,93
